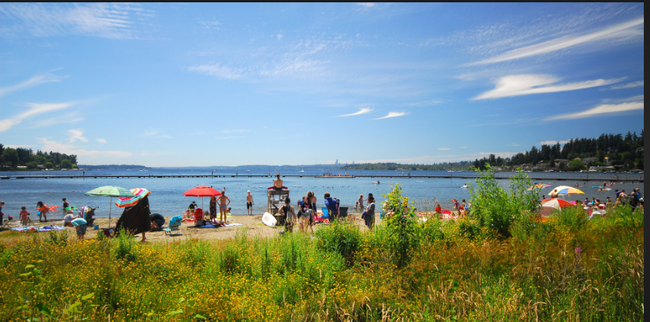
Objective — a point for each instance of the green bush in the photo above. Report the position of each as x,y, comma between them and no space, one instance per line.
497,209
401,221
340,237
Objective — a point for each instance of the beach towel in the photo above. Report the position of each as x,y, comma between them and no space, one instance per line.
24,229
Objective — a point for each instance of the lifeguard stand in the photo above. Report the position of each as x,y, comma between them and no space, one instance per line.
276,200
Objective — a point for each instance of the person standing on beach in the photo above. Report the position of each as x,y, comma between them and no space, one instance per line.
369,215
223,206
289,213
307,210
213,208
359,203
249,203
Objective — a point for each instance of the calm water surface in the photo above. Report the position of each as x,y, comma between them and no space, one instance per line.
167,193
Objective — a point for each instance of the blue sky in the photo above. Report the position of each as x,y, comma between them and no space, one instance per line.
235,84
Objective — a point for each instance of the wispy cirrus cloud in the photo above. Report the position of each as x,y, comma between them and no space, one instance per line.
219,71
117,21
516,85
366,4
392,114
364,110
76,135
444,149
35,80
100,140
47,145
628,85
622,30
155,133
600,110
34,110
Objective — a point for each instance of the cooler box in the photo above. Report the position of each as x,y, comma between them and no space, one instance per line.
198,214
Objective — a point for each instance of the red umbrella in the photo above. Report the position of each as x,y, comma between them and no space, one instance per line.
202,191
555,203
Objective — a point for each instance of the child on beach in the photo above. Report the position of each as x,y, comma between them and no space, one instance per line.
289,213
43,209
24,216
249,203
359,203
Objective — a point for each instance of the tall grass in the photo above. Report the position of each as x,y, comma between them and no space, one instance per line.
567,268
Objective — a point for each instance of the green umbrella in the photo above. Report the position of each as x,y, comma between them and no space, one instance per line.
111,191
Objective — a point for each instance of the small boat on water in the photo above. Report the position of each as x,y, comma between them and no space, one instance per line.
302,171
465,186
375,182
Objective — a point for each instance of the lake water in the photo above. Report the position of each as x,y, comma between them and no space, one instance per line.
167,193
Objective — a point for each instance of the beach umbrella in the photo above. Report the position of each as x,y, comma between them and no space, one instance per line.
202,191
130,201
566,190
539,186
555,203
110,191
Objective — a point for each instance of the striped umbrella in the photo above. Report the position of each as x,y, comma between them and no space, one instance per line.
555,203
130,201
566,190
110,191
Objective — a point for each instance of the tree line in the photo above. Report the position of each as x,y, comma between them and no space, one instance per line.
608,149
13,158
624,151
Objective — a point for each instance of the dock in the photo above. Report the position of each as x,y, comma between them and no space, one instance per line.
499,175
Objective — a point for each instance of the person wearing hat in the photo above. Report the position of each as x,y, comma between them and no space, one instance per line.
249,203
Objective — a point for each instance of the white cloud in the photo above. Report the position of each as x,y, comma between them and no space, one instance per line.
280,36
628,85
392,114
34,109
623,30
63,119
35,80
94,19
77,135
513,144
366,4
48,145
599,110
100,140
526,84
364,110
553,142
218,71
444,149
155,133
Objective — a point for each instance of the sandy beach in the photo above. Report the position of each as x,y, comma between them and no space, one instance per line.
253,224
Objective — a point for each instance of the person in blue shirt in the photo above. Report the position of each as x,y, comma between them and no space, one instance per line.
332,205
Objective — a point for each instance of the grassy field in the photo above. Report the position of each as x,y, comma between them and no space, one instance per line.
566,268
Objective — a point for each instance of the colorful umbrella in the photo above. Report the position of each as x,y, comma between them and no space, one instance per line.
110,191
555,203
130,201
539,186
202,191
566,190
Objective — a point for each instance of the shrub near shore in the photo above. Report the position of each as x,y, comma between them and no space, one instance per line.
567,268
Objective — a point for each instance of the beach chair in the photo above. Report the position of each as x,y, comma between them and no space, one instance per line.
174,226
5,223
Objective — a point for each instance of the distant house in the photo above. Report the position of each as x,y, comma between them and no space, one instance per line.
21,167
589,160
